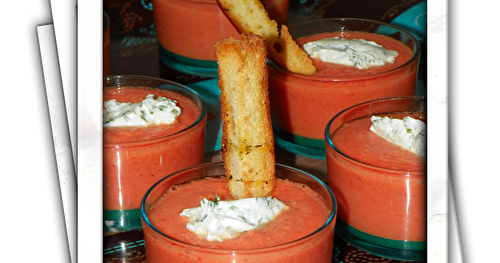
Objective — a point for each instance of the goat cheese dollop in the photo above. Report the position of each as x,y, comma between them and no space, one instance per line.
352,52
409,133
150,111
219,220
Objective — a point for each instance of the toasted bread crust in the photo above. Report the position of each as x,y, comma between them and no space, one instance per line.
247,137
250,16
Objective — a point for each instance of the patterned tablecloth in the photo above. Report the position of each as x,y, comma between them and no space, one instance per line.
134,50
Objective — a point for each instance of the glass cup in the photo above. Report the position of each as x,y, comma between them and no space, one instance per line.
314,247
135,159
302,105
187,31
381,197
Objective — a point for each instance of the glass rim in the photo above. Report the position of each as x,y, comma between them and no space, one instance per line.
164,81
416,53
332,146
328,222
106,20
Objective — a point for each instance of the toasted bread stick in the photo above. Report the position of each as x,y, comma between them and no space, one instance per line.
250,16
247,137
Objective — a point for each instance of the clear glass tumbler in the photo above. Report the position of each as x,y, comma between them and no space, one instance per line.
187,31
316,246
380,187
136,158
301,105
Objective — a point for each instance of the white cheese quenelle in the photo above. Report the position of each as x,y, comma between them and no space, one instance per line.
352,52
150,111
219,220
409,133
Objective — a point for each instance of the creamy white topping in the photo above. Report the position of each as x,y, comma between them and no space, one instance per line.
353,52
219,220
409,133
150,110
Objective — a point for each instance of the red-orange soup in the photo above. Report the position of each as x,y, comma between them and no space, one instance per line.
303,105
307,213
134,158
383,192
